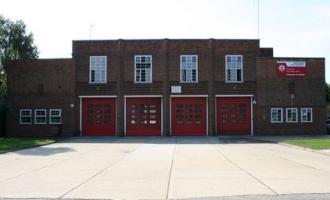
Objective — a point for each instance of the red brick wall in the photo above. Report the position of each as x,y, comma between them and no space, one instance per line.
165,54
273,91
64,80
41,84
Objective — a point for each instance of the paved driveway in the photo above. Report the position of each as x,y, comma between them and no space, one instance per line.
161,168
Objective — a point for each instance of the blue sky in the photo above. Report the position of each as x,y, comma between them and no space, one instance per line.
297,28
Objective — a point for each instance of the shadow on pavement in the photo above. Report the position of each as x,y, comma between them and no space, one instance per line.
243,140
169,140
44,151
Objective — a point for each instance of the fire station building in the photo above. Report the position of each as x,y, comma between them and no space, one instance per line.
166,87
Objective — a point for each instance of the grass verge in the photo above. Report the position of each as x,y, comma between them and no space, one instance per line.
9,144
317,144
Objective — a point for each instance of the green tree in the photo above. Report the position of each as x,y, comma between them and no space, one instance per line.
327,93
15,43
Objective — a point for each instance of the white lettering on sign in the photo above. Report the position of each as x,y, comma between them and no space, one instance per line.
176,89
291,68
294,63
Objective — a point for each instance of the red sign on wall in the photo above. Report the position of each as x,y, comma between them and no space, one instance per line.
291,68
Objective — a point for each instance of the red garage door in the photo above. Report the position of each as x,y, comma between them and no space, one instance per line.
143,116
234,115
99,116
188,116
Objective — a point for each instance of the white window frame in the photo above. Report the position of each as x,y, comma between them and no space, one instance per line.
36,116
301,115
181,68
20,116
271,112
51,116
287,119
226,69
135,81
105,70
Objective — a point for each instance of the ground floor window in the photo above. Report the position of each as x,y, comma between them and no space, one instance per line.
40,116
306,115
292,115
25,116
276,115
55,116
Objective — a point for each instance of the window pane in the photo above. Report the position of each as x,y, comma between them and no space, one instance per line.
239,75
55,119
40,113
26,113
137,59
194,59
55,112
25,119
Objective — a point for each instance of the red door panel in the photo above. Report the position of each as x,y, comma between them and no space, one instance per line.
99,116
143,116
188,116
234,115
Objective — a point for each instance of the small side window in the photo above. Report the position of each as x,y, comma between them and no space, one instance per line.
292,115
25,116
306,115
55,116
276,115
40,116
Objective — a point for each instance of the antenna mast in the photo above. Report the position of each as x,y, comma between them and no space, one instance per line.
90,31
258,20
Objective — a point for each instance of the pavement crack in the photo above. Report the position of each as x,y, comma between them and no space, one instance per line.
97,173
43,167
297,162
171,169
245,171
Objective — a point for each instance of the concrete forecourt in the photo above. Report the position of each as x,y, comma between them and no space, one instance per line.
164,168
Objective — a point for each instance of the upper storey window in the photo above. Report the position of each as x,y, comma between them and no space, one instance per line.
188,68
143,69
234,68
98,69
